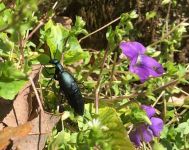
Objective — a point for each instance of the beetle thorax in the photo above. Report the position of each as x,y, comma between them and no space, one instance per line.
54,61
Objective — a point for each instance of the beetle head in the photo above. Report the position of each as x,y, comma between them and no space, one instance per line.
54,61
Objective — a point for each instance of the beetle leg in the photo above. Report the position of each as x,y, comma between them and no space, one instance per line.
60,107
45,68
49,82
81,84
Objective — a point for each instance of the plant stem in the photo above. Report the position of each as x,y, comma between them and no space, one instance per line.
99,82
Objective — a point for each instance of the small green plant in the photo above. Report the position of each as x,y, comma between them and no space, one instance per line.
129,87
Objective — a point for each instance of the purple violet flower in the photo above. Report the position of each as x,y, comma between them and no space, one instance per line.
144,132
141,64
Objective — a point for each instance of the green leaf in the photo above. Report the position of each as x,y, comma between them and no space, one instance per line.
2,6
150,15
75,52
164,2
55,36
12,80
138,115
10,72
43,59
79,23
115,87
73,44
61,139
8,90
74,56
158,146
183,128
116,131
78,28
133,14
6,46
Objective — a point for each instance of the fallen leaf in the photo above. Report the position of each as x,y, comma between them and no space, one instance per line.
13,133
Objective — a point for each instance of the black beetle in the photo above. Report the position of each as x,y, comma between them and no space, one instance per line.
69,87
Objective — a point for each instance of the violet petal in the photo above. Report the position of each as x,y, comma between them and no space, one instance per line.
150,111
145,133
141,71
135,137
155,68
157,126
132,49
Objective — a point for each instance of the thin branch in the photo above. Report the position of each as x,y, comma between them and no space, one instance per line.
103,27
117,98
99,82
167,17
166,35
162,93
41,23
112,73
37,95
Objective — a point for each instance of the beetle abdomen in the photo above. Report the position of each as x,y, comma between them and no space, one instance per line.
71,90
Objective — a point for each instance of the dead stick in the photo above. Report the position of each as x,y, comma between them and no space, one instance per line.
36,94
103,27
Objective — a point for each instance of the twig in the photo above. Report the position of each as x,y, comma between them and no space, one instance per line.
40,133
185,36
167,17
182,91
166,35
138,8
103,27
41,23
23,41
21,47
175,119
99,82
117,98
36,94
112,73
163,92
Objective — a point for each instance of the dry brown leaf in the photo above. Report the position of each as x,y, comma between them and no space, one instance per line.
13,133
23,109
42,126
18,111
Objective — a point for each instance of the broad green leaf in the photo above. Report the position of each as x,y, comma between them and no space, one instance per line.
55,36
8,90
116,131
43,59
75,52
74,56
10,72
73,44
11,80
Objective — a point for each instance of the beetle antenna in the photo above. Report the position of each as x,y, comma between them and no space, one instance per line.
56,51
66,41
